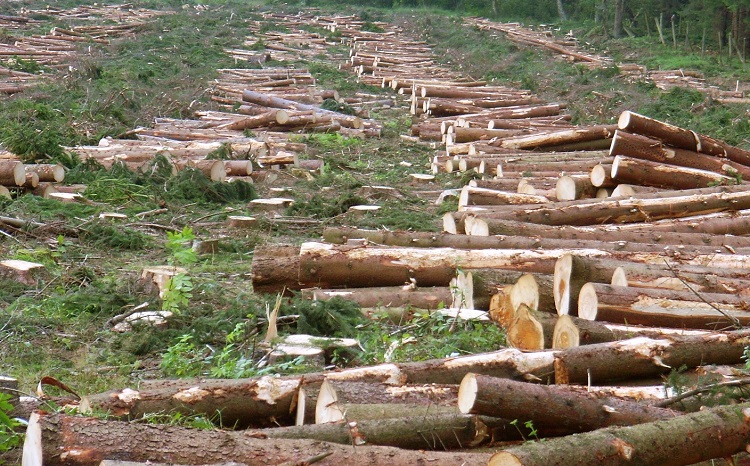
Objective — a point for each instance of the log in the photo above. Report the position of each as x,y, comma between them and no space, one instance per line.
54,439
334,396
628,170
565,333
570,409
275,268
328,266
349,121
12,172
483,196
644,148
560,138
713,433
47,171
525,332
644,357
423,430
571,187
420,298
646,208
601,176
569,276
261,402
680,137
661,307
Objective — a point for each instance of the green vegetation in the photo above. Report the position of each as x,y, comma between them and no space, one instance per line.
61,325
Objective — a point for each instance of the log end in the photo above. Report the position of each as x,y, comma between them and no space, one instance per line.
467,393
504,458
588,303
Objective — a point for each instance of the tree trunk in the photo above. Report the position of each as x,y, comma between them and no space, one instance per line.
570,409
713,433
483,196
627,170
420,298
642,147
329,266
661,308
643,357
259,402
558,138
12,173
680,137
570,275
618,18
267,100
561,11
54,439
571,187
275,268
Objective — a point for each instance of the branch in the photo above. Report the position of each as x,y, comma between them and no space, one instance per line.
699,390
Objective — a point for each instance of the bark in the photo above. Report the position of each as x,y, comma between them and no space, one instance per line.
616,237
571,409
713,433
571,187
275,267
628,170
335,395
25,272
83,441
423,430
420,298
47,171
680,137
329,266
483,196
642,147
601,176
259,402
277,102
570,275
646,208
644,357
661,307
524,331
12,173
560,138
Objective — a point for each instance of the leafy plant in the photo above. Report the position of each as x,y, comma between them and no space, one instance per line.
180,245
9,437
177,293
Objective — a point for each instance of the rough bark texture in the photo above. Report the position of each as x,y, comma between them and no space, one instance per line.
244,402
643,357
570,409
275,267
713,433
81,441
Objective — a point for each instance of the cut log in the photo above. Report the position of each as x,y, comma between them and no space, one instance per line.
329,266
12,172
525,332
259,402
644,148
600,176
572,187
420,298
561,138
333,396
571,409
25,272
642,357
628,170
713,433
661,307
483,196
680,137
570,275
275,268
565,333
58,439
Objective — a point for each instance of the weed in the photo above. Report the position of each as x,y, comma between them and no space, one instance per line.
9,436
180,245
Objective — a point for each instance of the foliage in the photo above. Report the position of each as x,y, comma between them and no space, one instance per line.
9,435
426,336
335,317
192,185
105,235
177,293
180,245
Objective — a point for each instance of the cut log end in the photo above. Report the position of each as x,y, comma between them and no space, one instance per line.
588,303
565,334
467,393
561,287
525,333
624,121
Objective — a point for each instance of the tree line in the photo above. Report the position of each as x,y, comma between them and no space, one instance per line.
718,24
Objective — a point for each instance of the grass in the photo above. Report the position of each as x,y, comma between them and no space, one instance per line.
58,326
